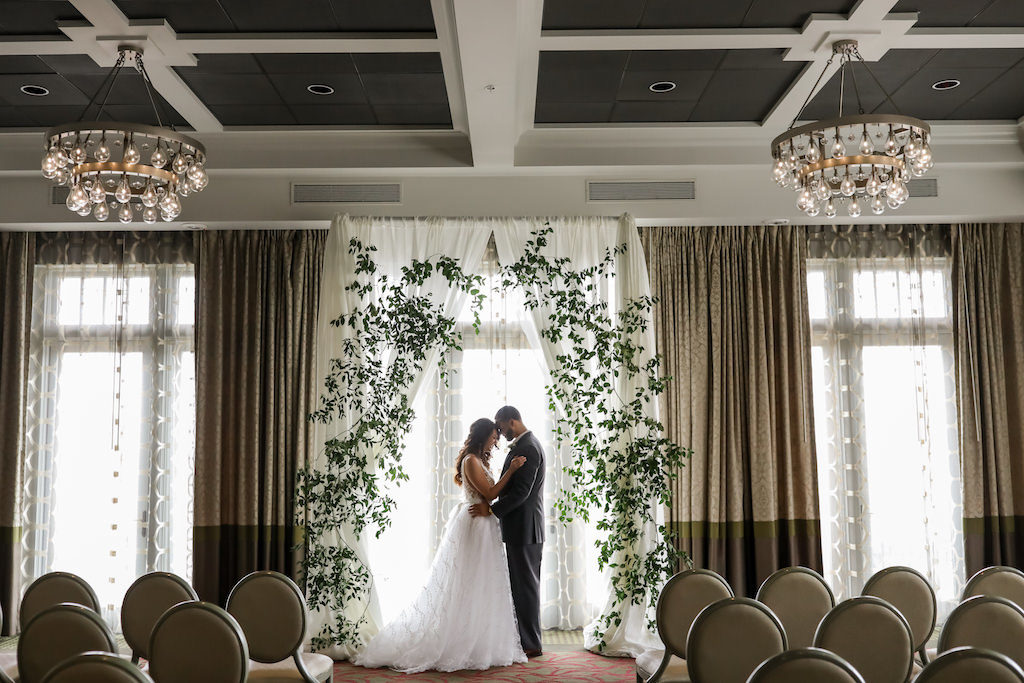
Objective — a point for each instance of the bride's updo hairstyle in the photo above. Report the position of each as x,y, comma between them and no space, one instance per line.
479,432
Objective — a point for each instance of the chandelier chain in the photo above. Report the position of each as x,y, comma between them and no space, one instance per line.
877,82
109,78
140,67
813,90
856,90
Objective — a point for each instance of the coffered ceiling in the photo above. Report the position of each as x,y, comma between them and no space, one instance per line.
474,88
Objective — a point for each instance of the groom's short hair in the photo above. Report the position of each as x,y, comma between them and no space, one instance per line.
506,413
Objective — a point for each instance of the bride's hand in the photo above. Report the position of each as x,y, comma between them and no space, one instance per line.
517,462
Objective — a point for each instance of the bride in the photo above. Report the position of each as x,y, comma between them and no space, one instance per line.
463,618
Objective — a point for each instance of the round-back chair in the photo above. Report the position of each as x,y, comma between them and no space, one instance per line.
271,610
971,664
59,633
681,600
96,667
53,589
987,622
800,598
806,665
198,641
907,590
145,601
730,638
1002,582
872,636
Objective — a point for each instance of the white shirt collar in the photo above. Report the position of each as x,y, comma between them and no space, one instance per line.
516,440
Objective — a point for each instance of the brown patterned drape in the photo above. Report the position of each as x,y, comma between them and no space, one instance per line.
257,300
732,326
988,309
17,255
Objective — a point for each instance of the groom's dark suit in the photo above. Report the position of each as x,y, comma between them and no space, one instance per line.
520,509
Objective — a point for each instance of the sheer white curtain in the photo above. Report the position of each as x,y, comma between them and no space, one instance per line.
885,406
585,241
398,242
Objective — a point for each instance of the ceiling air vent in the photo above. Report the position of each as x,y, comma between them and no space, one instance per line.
923,187
635,190
347,193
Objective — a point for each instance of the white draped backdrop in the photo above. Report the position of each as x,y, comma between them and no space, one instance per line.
507,362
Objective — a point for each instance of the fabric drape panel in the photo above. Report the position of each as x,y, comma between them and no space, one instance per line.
17,253
257,302
733,328
988,306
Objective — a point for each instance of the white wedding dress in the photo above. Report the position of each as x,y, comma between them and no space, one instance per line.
463,618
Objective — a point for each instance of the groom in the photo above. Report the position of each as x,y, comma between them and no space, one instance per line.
520,509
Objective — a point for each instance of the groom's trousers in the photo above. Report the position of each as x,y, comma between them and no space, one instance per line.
524,574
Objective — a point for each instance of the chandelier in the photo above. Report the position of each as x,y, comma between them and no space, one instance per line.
101,162
862,160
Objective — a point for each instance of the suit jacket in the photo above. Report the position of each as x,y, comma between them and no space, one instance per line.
520,507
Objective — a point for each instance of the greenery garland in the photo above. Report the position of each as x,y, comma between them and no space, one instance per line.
621,460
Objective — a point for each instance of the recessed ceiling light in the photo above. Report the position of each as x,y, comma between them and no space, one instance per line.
945,84
320,89
662,86
35,90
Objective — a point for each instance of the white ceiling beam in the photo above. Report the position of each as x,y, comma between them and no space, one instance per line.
970,38
451,62
304,43
667,39
531,20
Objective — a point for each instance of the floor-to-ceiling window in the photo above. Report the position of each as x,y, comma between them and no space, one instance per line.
885,406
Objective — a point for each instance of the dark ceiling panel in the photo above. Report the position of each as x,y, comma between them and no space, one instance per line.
398,62
15,117
226,64
406,89
307,63
62,92
936,13
735,84
669,14
909,74
433,115
23,64
294,88
247,115
35,17
251,89
221,16
334,115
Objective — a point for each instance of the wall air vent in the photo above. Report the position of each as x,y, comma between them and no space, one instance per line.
347,193
923,187
638,190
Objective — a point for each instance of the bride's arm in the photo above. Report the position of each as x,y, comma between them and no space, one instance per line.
476,476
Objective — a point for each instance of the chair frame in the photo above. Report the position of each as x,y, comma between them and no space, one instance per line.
769,665
785,571
984,573
148,577
722,604
219,612
869,599
69,606
964,652
95,606
297,649
967,604
881,574
660,612
106,657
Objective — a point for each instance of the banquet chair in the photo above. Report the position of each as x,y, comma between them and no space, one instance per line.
730,638
53,589
971,664
806,665
1002,582
907,590
197,641
59,633
800,598
872,636
145,601
271,610
987,622
681,600
96,667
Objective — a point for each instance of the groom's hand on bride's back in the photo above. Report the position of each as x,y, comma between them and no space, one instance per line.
480,510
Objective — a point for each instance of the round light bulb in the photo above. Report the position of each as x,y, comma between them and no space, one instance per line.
149,214
173,205
877,206
866,146
854,208
200,182
813,153
61,175
195,170
891,146
848,186
911,148
124,214
823,191
123,193
85,210
873,186
180,164
49,165
812,209
838,148
131,154
102,154
830,209
185,187
78,197
149,196
97,194
101,212
78,155
166,217
893,203
158,158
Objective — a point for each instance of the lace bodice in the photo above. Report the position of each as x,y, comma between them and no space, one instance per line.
470,494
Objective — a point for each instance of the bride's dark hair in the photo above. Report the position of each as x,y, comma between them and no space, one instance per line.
479,432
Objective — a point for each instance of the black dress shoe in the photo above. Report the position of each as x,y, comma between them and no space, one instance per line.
533,653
